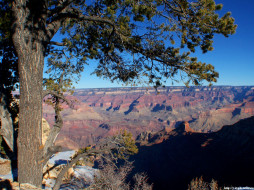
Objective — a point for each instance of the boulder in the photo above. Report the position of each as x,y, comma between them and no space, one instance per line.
51,171
23,186
6,126
7,184
5,166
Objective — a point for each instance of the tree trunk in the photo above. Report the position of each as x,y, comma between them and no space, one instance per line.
28,42
30,118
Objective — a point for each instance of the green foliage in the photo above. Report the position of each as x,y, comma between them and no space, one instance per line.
8,66
127,40
81,151
128,144
62,74
118,146
8,58
131,39
5,19
124,145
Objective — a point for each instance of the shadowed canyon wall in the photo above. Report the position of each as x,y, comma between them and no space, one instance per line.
173,159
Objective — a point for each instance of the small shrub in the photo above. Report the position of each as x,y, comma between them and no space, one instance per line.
112,177
141,182
200,184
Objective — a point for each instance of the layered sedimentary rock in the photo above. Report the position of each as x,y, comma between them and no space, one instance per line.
102,112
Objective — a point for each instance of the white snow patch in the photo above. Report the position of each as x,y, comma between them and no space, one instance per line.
10,175
61,157
49,183
85,172
7,176
83,175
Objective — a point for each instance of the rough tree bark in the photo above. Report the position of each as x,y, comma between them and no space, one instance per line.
28,45
31,36
30,114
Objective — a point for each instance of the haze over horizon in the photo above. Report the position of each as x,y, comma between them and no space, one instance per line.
174,86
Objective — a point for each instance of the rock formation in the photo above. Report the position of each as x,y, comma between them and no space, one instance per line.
6,126
102,112
5,166
173,159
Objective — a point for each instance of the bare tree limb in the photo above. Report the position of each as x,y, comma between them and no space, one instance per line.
112,147
49,149
79,16
60,7
70,164
54,25
57,43
50,152
56,94
52,29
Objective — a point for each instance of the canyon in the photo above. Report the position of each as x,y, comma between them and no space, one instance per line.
172,159
101,112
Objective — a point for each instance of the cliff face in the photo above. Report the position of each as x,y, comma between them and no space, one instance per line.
173,159
101,112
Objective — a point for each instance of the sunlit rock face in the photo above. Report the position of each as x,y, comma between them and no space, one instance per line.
102,112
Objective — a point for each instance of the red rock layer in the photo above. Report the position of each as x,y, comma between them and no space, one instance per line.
102,112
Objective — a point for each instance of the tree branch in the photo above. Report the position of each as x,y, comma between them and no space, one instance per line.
173,8
49,149
70,164
56,94
74,14
54,25
57,43
60,7
106,147
52,29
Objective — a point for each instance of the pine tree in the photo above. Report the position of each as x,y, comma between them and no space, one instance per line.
159,35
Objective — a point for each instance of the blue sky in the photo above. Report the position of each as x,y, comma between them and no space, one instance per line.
232,57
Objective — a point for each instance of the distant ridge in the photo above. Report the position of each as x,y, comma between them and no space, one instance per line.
150,87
